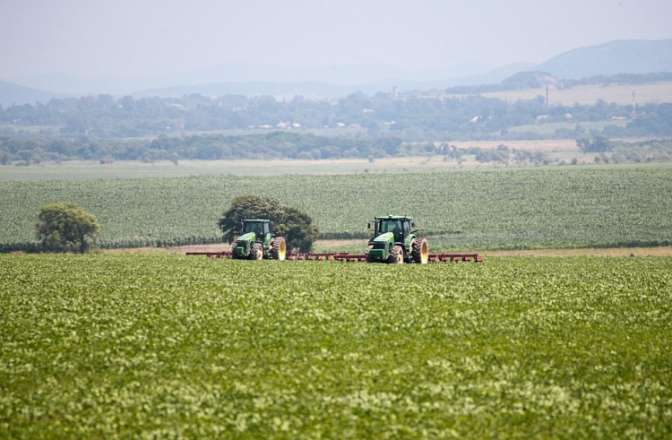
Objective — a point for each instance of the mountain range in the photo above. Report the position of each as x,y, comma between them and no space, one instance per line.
11,93
623,56
612,58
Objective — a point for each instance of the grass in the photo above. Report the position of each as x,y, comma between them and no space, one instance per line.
604,206
141,346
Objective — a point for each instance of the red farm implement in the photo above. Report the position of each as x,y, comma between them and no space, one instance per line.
354,258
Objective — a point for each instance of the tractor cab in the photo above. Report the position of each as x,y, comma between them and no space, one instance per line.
256,241
260,227
399,226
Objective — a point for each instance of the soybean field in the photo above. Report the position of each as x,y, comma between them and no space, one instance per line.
105,346
495,209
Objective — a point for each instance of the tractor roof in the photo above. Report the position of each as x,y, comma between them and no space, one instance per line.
395,217
256,220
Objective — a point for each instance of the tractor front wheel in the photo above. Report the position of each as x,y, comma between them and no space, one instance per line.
279,249
397,255
420,251
257,252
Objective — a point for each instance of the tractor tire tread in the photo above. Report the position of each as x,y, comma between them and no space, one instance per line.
416,251
396,255
257,249
275,248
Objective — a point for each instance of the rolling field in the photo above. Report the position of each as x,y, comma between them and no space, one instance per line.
656,93
106,346
521,208
86,170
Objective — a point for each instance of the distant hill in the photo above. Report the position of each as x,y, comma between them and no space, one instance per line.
252,88
598,63
14,94
529,80
492,76
517,81
623,56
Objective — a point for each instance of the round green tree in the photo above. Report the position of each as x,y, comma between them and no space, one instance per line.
65,227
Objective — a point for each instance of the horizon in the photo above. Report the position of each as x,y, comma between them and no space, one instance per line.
134,47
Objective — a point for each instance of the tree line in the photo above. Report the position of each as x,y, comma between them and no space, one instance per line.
412,117
284,145
273,145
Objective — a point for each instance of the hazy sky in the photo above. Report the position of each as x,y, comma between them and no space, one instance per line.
165,37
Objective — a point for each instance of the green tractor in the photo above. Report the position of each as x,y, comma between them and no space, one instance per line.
257,242
395,241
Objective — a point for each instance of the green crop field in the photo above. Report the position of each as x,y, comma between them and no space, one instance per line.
539,207
132,346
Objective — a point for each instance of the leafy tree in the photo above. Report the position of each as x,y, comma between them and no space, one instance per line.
298,229
294,225
65,227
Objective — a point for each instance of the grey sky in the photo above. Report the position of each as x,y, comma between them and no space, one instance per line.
166,37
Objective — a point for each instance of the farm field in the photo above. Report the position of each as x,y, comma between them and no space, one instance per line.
541,145
584,206
86,170
138,346
553,149
656,93
549,129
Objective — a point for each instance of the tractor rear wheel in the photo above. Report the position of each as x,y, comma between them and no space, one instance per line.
397,255
420,251
279,249
257,252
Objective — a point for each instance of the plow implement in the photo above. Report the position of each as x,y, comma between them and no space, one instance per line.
355,258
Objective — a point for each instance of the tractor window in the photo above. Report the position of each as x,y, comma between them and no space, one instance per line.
257,228
393,226
266,228
407,228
